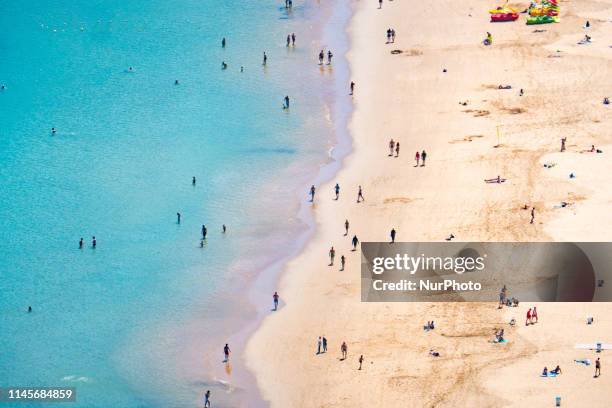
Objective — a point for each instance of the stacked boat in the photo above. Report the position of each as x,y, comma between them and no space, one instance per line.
503,13
545,12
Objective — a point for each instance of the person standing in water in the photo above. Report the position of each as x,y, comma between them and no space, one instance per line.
29,309
193,181
360,195
312,193
286,106
81,243
346,227
207,399
204,232
275,299
293,39
265,59
224,228
223,43
321,56
355,242
288,40
329,57
53,130
337,190
93,242
226,352
392,235
332,255
178,217
352,87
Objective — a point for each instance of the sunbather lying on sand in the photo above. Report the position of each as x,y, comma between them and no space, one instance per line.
504,87
498,179
434,353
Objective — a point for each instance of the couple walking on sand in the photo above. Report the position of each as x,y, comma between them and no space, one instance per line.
532,316
420,157
321,345
390,35
394,146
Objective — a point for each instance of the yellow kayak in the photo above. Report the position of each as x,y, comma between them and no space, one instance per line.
503,10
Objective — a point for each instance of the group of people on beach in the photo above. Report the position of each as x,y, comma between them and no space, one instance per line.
532,316
394,147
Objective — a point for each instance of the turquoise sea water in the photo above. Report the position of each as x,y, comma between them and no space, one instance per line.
140,321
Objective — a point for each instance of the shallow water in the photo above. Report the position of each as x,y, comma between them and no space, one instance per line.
122,322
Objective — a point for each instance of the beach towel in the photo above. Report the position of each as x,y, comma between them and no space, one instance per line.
585,361
549,375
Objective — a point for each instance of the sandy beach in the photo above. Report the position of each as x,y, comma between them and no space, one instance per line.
441,94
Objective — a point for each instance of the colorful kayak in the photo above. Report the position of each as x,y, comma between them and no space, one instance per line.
498,17
542,20
502,10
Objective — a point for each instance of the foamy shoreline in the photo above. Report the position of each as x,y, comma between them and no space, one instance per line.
414,98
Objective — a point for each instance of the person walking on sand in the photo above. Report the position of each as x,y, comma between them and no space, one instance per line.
342,262
332,255
337,190
344,350
360,361
563,140
380,4
534,315
321,56
329,57
346,227
204,232
178,217
423,157
417,158
597,368
275,299
288,40
355,241
319,345
312,193
532,215
391,147
528,319
397,149
360,195
226,352
207,399
293,39
324,341
388,35
352,87
393,35
392,235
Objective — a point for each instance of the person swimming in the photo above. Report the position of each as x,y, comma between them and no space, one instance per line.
176,82
81,243
29,309
223,43
193,181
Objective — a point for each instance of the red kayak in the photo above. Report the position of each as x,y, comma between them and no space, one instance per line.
504,17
